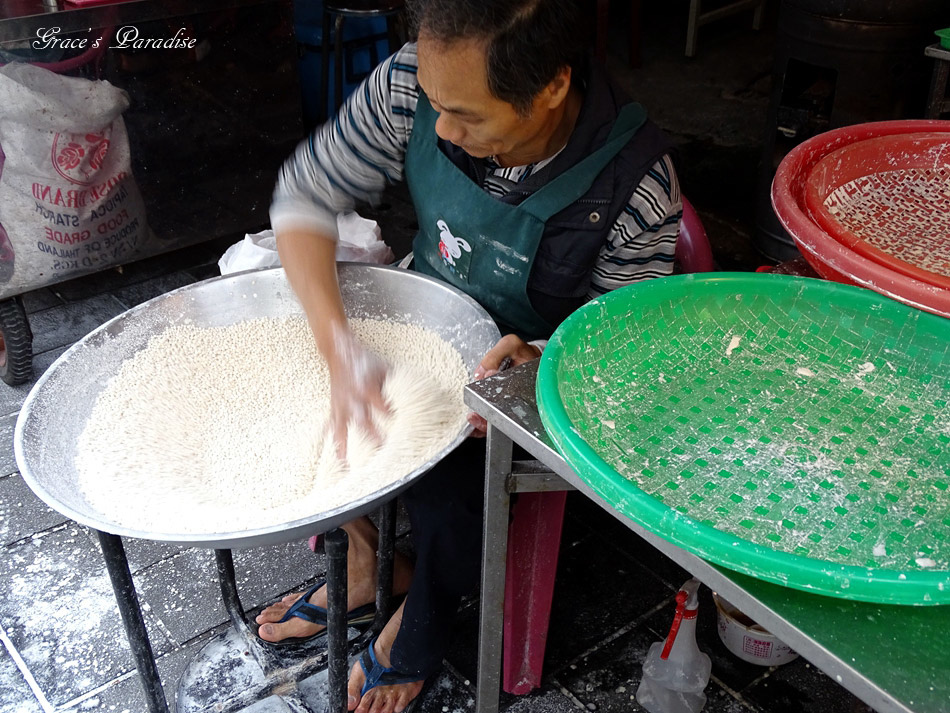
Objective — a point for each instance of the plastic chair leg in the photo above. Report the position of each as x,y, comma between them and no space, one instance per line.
325,69
338,60
692,28
534,539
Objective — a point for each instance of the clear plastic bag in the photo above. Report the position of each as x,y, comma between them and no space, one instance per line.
255,251
360,241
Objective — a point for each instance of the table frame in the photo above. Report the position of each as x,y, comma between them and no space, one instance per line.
272,662
507,401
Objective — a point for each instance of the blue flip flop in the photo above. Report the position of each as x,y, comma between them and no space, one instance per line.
302,609
379,675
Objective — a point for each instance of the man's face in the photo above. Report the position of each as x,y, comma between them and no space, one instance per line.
454,79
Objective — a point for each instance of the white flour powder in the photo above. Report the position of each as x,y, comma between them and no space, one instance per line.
226,429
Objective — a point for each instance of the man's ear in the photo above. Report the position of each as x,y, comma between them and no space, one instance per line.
556,91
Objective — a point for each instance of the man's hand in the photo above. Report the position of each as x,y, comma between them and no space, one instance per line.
356,387
356,375
510,350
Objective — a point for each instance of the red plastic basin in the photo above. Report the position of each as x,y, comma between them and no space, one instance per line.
830,257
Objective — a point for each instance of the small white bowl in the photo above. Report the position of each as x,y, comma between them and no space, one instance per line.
747,640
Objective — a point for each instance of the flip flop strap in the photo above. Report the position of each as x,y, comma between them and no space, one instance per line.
302,609
377,674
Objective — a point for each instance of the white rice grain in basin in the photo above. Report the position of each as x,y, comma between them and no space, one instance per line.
226,429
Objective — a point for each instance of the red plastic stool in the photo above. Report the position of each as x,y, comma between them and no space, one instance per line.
693,252
534,534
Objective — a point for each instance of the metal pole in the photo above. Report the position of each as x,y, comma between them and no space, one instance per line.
269,659
494,559
338,59
113,552
229,593
335,546
325,68
385,565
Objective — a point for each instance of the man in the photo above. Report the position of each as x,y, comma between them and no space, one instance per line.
536,186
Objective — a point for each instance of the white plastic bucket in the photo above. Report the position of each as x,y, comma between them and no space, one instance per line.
747,640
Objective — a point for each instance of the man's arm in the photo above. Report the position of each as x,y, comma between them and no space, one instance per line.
347,160
352,157
309,260
643,238
356,374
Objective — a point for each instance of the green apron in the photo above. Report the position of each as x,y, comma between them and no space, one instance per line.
481,245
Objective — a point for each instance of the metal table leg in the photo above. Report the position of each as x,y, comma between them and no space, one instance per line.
385,563
118,565
335,546
269,659
494,558
337,649
229,593
280,673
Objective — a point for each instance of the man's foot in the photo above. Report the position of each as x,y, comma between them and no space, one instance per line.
361,587
272,629
382,698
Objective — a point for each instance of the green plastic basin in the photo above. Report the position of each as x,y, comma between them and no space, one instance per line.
792,429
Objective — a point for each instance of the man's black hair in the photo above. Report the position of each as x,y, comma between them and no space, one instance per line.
528,41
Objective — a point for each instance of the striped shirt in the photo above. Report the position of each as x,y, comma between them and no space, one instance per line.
352,158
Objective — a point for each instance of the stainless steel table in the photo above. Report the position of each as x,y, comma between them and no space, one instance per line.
894,658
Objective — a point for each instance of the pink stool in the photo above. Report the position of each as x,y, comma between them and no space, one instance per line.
534,533
693,252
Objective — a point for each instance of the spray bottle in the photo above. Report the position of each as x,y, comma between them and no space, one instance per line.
675,671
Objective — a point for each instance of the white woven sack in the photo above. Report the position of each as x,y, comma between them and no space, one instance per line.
68,201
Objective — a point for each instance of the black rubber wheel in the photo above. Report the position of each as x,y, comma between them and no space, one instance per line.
16,343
